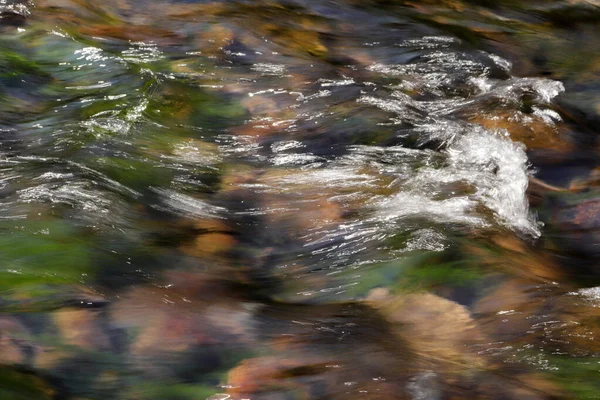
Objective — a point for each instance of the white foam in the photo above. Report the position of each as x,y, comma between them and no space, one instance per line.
403,204
497,167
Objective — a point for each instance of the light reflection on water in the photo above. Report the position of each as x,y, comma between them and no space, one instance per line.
273,201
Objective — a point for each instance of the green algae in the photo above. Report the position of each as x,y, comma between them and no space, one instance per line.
48,253
18,385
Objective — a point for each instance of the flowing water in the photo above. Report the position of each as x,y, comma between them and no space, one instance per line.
299,200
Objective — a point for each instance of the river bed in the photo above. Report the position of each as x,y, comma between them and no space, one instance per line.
299,200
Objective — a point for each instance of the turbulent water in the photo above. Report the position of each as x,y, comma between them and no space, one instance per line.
297,200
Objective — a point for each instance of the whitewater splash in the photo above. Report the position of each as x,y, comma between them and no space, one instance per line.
441,170
445,167
450,85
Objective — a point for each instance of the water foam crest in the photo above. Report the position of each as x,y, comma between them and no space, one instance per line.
498,168
488,162
406,204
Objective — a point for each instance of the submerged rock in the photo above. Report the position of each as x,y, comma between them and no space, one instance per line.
435,327
82,328
14,342
14,12
573,221
449,341
186,328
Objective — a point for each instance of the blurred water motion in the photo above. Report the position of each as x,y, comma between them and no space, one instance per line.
299,200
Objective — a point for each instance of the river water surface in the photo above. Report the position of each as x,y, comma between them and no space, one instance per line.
299,200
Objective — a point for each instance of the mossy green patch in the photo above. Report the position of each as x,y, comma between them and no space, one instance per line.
17,385
431,275
49,252
578,376
178,103
136,174
15,66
